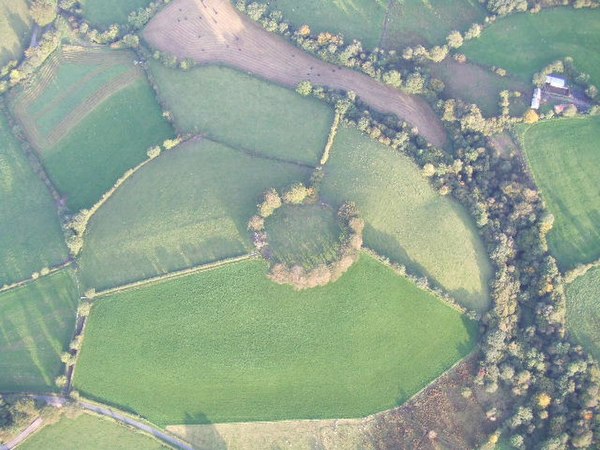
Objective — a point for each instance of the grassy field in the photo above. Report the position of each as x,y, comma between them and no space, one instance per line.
103,13
564,158
15,29
536,40
407,221
305,235
245,112
91,115
36,324
583,311
30,236
474,84
354,19
428,22
190,206
229,345
89,432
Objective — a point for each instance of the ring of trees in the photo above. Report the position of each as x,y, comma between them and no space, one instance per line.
351,224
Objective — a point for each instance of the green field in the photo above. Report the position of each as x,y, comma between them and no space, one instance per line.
354,19
536,40
244,112
474,84
104,13
229,345
91,115
30,233
189,206
583,311
15,29
407,221
89,432
36,324
564,157
428,22
305,235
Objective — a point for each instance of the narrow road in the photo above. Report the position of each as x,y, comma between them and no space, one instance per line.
58,401
32,428
134,423
213,31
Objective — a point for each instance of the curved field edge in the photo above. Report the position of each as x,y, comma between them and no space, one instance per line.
189,206
215,32
31,238
37,322
583,311
563,156
536,40
407,221
248,349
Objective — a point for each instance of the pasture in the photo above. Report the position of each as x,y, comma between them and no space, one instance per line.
406,220
103,13
15,29
229,345
306,235
189,206
536,40
583,311
91,115
428,22
89,432
30,234
355,19
474,84
36,324
563,156
245,112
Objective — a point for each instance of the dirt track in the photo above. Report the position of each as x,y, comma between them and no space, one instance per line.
214,31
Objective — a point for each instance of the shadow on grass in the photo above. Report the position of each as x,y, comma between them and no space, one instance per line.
203,435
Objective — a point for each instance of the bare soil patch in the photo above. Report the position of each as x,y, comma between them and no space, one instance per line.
213,31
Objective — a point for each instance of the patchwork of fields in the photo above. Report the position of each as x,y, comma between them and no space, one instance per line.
91,115
36,324
15,29
407,221
583,311
189,206
89,432
563,156
30,233
536,40
230,345
244,112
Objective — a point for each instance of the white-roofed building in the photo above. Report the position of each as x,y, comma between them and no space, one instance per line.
536,98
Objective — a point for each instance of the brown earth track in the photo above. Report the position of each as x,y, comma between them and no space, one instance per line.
213,31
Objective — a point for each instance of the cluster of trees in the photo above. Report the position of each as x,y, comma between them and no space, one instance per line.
299,277
555,385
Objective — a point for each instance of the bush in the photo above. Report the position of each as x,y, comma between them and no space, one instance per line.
296,194
43,12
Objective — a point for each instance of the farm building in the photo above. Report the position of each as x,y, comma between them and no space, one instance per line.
536,98
556,85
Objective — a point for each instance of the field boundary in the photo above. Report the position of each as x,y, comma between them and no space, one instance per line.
331,138
174,275
51,270
437,292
